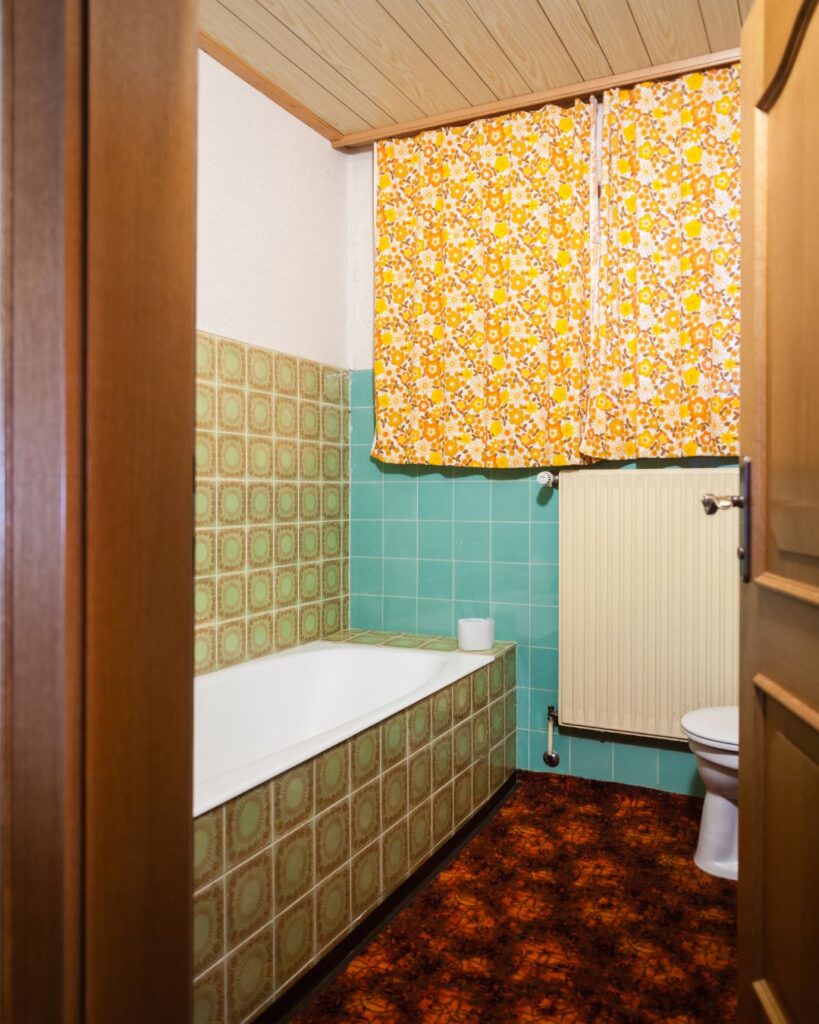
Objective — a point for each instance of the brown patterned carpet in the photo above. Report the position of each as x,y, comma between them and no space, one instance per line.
578,902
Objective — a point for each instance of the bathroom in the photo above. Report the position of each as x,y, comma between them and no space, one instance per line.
426,700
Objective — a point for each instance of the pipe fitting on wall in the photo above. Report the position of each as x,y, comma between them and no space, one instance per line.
551,757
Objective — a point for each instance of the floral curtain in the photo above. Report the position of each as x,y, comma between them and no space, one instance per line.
482,291
664,356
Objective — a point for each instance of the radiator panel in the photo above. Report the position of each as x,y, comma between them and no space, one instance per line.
649,598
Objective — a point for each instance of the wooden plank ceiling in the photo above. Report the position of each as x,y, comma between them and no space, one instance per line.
349,66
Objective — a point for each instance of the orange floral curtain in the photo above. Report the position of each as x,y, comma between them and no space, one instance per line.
482,291
664,356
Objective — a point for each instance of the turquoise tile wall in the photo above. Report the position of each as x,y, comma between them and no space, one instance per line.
429,546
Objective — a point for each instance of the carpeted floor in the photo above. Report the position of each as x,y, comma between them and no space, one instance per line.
578,903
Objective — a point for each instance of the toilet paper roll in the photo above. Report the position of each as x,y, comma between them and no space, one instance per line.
476,634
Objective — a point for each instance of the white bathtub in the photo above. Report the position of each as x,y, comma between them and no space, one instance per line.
257,719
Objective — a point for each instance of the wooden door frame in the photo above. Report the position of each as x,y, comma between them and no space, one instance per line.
98,338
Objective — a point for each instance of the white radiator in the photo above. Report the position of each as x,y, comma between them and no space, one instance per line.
649,598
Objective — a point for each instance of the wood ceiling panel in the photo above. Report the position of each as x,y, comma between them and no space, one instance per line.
440,49
722,23
670,29
569,21
320,35
370,68
530,42
387,46
229,30
257,17
617,33
457,19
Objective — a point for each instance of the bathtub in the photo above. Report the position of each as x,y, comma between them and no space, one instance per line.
324,777
255,720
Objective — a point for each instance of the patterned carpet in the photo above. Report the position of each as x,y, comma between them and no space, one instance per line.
578,903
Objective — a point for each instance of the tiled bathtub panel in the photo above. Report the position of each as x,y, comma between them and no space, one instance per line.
272,492
285,871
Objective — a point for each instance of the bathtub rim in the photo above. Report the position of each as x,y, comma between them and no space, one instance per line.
210,793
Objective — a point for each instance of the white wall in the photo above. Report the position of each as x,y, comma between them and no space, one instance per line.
272,224
360,260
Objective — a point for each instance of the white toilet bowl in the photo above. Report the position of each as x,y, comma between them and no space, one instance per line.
713,735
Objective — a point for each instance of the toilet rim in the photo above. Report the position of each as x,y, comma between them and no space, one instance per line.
714,744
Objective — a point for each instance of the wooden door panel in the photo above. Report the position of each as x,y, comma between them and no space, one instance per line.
779,663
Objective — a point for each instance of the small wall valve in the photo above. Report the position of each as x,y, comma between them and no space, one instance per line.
551,757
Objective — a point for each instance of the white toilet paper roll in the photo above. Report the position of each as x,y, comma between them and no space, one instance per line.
476,634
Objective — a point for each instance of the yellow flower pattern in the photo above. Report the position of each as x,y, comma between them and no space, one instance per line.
482,291
664,358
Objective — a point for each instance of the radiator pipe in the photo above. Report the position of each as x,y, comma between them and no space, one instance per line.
551,757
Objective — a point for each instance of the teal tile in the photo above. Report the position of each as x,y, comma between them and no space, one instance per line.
400,498
400,577
362,426
434,540
435,499
544,584
635,763
366,612
363,467
545,542
510,542
522,708
544,668
366,501
400,538
472,500
435,579
522,664
678,772
510,582
435,617
510,500
361,388
365,575
511,622
522,742
401,614
539,701
472,581
544,503
472,542
545,626
590,758
365,539
471,610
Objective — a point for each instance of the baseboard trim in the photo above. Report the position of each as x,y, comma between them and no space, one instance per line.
322,973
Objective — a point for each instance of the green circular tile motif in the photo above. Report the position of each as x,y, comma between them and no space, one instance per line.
286,628
260,636
296,934
201,601
309,462
286,459
310,623
260,546
231,549
286,416
285,501
250,973
332,462
309,420
332,540
231,641
232,409
260,456
333,838
309,498
286,543
250,895
201,933
332,424
286,586
330,618
201,650
232,456
202,454
294,793
295,862
231,596
231,504
201,505
309,543
260,503
309,380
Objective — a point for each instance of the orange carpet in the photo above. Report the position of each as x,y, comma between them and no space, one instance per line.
578,903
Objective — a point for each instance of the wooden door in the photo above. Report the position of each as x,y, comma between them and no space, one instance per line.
779,733
96,721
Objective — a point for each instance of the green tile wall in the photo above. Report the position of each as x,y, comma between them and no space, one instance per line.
272,497
283,872
429,546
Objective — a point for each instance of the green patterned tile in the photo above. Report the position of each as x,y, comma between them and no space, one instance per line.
331,385
331,462
286,549
309,623
310,542
309,380
232,596
420,724
332,839
286,459
249,898
394,856
462,797
331,421
260,457
260,592
332,907
260,369
287,629
205,407
462,699
480,733
204,650
231,547
286,380
420,776
364,756
295,941
261,636
394,794
287,502
393,740
294,866
462,746
441,761
309,502
205,503
309,421
293,798
209,997
309,461
248,825
330,578
480,688
442,815
441,711
232,455
286,585
260,505
205,357
208,918
231,410
365,872
232,503
480,782
332,776
496,687
231,362
497,721
259,413
204,599
231,642
286,422
365,816
208,832
420,833
250,976
204,451
331,540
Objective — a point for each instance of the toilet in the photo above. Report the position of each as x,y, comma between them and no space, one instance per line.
713,735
